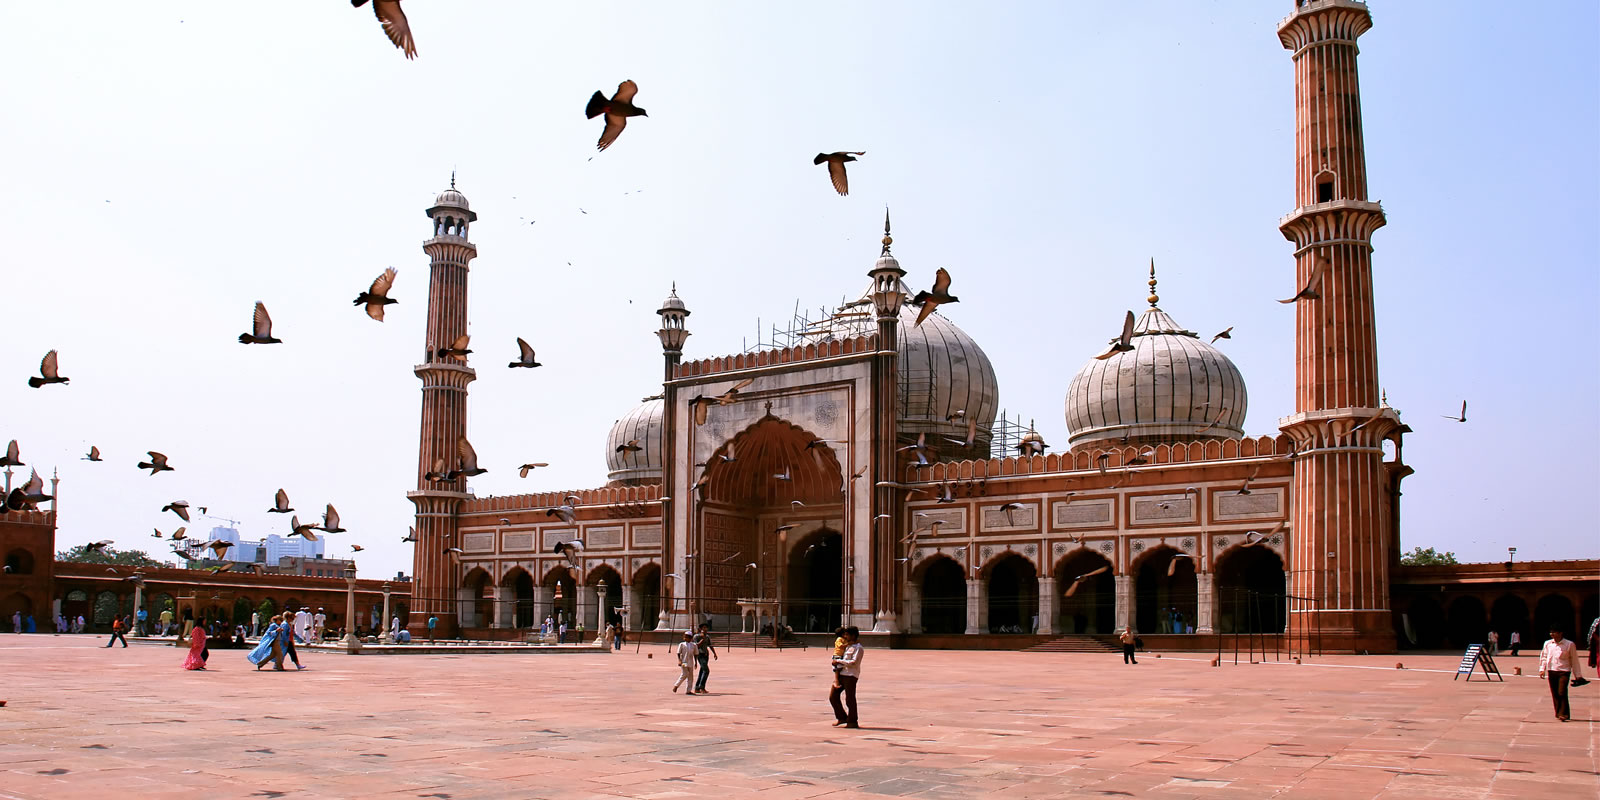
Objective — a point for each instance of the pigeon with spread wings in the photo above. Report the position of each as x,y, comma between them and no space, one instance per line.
939,295
469,461
522,471
1123,343
1309,291
260,328
178,507
330,520
569,550
1462,417
376,297
94,454
395,24
525,357
617,110
1076,582
49,372
13,457
157,463
457,350
836,173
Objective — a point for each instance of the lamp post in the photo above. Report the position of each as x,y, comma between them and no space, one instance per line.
1513,552
388,635
138,601
352,643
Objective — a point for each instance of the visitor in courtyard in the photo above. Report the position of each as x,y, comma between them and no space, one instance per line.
704,652
561,636
117,629
1493,645
143,617
403,637
198,652
544,630
847,671
82,624
686,659
16,622
1558,663
1127,639
1593,641
166,621
255,622
318,624
433,622
1516,643
269,648
28,625
289,639
239,640
61,624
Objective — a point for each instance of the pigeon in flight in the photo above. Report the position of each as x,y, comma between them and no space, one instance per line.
457,349
469,461
1309,291
617,111
1032,447
157,463
1172,566
297,529
702,404
95,547
13,456
1123,343
178,507
330,521
376,297
1079,580
1227,334
920,449
523,470
567,511
410,537
1008,508
940,294
1462,418
438,474
525,357
630,446
260,328
280,503
569,550
94,454
49,372
836,173
394,24
972,433
356,548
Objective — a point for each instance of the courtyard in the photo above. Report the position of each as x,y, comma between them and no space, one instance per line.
82,720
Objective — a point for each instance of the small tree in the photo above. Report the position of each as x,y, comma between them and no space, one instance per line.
129,558
1427,557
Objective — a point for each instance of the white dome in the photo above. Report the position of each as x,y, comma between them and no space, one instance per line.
1172,387
642,467
450,198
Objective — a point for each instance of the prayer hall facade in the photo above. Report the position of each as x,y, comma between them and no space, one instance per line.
858,476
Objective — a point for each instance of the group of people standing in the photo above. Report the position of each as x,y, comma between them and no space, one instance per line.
696,649
277,643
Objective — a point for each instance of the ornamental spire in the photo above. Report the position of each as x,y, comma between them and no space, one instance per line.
887,239
1154,298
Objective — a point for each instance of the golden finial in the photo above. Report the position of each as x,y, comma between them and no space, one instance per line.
452,179
1154,298
887,239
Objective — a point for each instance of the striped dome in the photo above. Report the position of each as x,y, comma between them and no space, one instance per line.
642,467
1172,387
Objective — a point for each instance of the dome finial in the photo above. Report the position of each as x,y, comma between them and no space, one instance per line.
887,239
452,179
1154,298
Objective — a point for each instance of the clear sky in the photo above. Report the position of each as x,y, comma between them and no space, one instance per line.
168,164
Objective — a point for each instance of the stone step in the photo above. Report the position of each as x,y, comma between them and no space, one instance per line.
1078,643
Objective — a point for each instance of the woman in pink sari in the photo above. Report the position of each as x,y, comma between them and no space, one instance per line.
197,649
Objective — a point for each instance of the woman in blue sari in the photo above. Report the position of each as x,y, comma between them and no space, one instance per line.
271,645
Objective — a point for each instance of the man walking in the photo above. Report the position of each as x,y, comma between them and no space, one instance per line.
1127,639
433,622
1516,642
686,659
704,652
166,621
318,622
16,622
117,628
255,623
1558,663
847,671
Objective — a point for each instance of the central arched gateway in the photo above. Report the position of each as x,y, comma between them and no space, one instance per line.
943,592
814,590
1092,606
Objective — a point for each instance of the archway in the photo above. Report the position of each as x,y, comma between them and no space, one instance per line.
1092,608
1166,592
1555,611
1509,615
1251,590
477,606
814,590
15,603
1427,621
105,609
519,584
944,596
562,590
1013,594
1466,621
645,613
19,562
607,576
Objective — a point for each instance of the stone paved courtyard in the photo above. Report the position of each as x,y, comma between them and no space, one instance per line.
82,721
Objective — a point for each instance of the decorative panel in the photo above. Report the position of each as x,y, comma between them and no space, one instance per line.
477,542
517,541
950,520
1023,518
1258,503
1084,513
554,536
647,535
1169,508
597,538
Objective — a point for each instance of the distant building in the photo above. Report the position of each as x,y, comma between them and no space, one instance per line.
276,548
313,567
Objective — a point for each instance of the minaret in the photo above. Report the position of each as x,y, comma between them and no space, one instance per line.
887,295
1342,536
444,416
674,313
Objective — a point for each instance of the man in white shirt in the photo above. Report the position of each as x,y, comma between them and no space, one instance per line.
686,660
849,671
318,622
1558,662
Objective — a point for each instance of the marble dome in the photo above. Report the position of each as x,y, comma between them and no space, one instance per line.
1172,387
643,467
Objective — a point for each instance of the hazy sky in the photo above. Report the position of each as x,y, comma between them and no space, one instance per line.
168,164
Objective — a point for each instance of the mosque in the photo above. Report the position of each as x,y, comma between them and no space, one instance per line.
858,475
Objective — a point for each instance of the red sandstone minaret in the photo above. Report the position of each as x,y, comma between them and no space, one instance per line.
1343,533
888,293
444,416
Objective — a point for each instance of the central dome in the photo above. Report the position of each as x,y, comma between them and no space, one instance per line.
1172,387
636,467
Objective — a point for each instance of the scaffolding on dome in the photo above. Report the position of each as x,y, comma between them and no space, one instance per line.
1008,434
849,320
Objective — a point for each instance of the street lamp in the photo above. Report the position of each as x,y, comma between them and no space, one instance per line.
352,643
1513,552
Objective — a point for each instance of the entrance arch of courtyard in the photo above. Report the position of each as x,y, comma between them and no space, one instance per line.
1092,607
603,612
559,581
941,588
516,587
1009,602
1251,590
476,606
1166,591
778,476
644,606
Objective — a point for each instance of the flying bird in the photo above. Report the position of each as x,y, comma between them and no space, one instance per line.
157,463
469,461
260,328
48,372
94,454
1101,460
1142,457
438,473
1309,291
297,529
785,475
330,521
567,511
1172,565
95,547
280,503
522,471
947,493
920,449
1227,334
727,398
1213,423
972,434
1033,446
218,547
394,24
569,550
1079,580
178,507
177,535
524,356
1245,489
457,350
356,548
1462,418
410,537
841,181
228,567
630,446
13,456
940,295
617,111
783,528
1008,508
376,297
1124,341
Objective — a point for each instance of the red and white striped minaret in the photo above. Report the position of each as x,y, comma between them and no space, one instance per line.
437,576
1344,534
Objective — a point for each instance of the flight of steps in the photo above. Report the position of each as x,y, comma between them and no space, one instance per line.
1078,643
744,641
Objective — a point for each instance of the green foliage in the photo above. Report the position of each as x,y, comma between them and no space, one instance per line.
266,610
129,558
1427,557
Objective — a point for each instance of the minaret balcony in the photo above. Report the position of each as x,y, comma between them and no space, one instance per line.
1333,222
